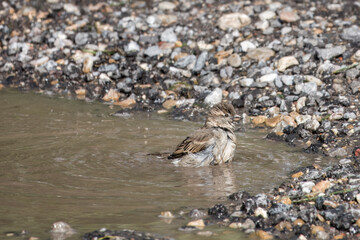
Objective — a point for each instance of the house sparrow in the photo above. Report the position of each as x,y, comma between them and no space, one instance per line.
212,144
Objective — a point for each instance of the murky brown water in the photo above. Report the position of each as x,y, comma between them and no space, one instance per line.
67,160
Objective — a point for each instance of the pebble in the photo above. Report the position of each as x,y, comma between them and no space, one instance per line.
165,5
169,36
329,53
214,97
153,51
200,62
81,38
234,60
185,61
234,21
352,33
268,78
246,82
286,62
260,54
246,45
289,16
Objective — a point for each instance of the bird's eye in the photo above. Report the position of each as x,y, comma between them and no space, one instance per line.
226,115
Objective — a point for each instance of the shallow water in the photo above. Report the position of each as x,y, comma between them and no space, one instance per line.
67,160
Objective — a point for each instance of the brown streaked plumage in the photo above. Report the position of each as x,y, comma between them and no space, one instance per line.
212,144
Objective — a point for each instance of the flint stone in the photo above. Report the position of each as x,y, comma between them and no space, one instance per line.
352,33
200,62
329,53
185,61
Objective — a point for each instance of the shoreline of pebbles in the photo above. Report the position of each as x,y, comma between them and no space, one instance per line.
290,66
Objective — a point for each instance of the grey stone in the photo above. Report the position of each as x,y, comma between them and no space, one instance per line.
352,33
108,68
278,83
81,38
338,152
329,53
168,35
355,86
352,73
350,115
185,61
309,88
50,65
246,82
132,47
288,80
214,97
208,79
153,51
200,62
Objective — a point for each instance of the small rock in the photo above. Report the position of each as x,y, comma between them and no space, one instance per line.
71,8
329,53
185,61
259,120
168,36
196,213
62,227
246,45
268,78
352,33
262,235
81,38
248,224
165,5
200,224
306,187
260,212
168,104
153,51
132,47
246,82
259,54
235,225
234,21
214,97
272,122
166,214
289,16
286,62
321,186
234,60
111,95
205,233
310,78
268,14
200,62
338,152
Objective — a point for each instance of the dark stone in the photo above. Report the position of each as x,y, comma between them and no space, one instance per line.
240,102
319,203
343,222
239,196
218,211
278,208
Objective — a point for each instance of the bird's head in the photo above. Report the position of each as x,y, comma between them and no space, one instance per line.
222,115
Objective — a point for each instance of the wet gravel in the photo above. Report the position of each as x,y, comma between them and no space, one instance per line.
291,66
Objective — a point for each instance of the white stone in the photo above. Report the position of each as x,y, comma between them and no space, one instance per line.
246,82
307,186
261,212
268,14
165,5
234,21
302,119
268,78
246,45
286,62
310,78
214,97
71,8
300,103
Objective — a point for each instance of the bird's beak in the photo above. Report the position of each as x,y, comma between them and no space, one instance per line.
236,117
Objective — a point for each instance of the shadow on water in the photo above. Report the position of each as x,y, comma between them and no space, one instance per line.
72,161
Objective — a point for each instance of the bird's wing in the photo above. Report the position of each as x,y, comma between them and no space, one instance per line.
197,142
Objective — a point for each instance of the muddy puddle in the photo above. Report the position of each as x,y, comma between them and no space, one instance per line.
68,160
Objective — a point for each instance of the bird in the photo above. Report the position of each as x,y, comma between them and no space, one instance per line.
212,144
